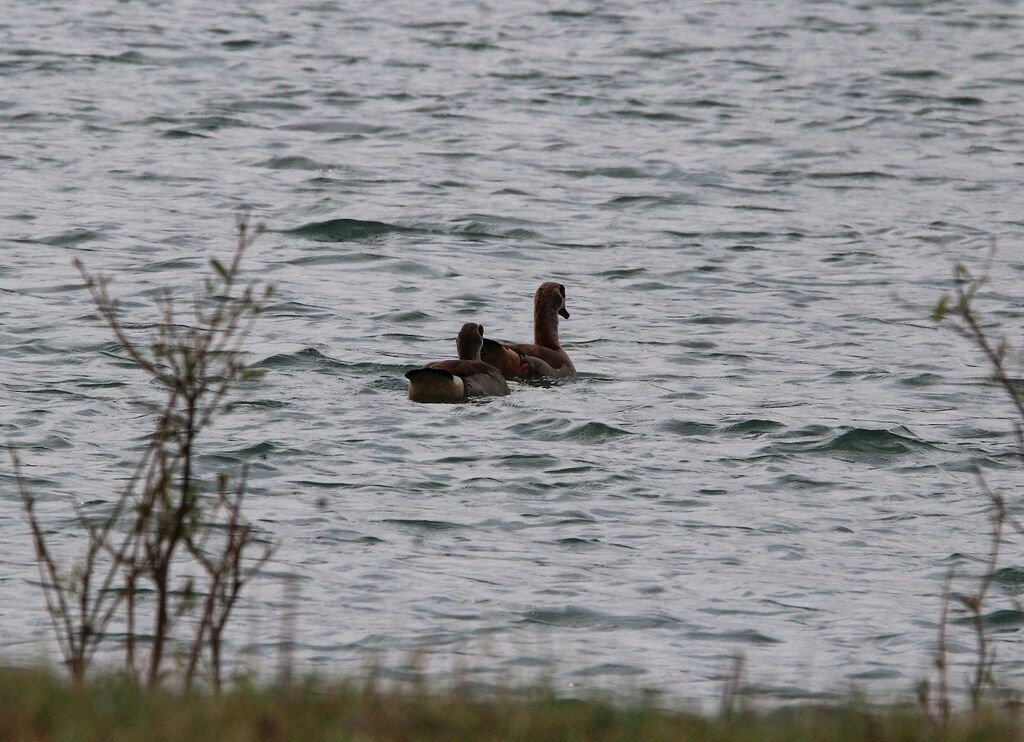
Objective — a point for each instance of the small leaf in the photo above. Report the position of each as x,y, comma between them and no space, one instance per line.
219,267
940,308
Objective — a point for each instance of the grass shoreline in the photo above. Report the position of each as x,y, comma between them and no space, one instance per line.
37,704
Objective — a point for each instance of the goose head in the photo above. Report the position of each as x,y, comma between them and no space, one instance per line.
470,341
550,300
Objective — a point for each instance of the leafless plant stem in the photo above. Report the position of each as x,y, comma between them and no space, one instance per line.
957,311
161,519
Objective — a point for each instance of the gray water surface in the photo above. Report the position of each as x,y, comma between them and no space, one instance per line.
766,453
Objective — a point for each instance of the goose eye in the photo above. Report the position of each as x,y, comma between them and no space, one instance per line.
561,289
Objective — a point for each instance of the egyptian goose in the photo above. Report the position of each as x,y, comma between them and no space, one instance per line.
454,381
545,356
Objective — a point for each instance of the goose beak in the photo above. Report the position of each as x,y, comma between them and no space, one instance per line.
564,312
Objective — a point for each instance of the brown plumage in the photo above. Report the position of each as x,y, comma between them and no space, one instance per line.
456,380
545,355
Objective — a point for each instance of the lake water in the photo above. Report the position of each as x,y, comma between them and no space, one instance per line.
766,453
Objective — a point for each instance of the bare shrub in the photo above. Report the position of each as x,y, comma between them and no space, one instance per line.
162,526
957,311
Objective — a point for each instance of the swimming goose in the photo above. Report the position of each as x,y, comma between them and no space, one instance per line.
544,356
454,381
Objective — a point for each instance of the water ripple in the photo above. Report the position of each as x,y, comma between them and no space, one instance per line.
764,451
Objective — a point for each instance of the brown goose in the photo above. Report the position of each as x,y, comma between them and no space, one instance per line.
454,381
544,356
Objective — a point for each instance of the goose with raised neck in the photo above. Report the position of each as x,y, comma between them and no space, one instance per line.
458,380
545,355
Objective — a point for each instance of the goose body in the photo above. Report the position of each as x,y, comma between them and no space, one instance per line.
457,380
545,355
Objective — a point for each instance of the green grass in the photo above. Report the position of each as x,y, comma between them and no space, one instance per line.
36,705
